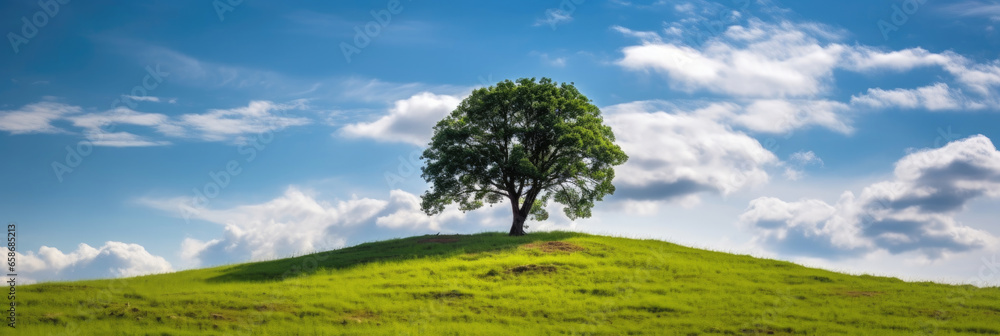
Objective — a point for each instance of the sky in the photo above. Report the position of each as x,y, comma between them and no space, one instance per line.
149,137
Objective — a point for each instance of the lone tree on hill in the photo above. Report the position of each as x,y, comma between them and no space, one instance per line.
525,142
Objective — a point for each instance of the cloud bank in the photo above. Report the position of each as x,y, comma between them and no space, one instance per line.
112,260
914,212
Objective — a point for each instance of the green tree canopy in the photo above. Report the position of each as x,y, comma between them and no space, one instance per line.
527,142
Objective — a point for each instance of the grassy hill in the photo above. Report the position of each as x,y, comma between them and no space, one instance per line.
543,283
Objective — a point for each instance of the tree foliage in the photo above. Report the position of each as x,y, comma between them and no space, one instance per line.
526,142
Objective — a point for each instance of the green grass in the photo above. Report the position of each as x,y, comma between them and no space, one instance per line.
494,284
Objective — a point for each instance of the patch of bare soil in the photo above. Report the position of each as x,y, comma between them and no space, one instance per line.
361,316
555,246
453,294
51,317
532,269
274,307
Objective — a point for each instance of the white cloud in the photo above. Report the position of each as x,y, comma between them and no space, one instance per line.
404,212
782,116
764,61
981,78
863,58
640,208
122,139
558,62
684,8
793,174
796,163
119,115
144,98
669,31
935,97
914,212
761,60
298,222
236,123
805,158
293,223
553,17
807,227
98,127
410,120
644,36
152,99
113,260
776,115
35,118
673,155
974,8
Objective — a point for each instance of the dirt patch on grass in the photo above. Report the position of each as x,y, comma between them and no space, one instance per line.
274,307
860,293
51,317
532,269
219,316
450,294
453,294
441,239
360,316
595,292
555,246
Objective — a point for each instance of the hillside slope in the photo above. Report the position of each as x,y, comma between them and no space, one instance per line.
542,283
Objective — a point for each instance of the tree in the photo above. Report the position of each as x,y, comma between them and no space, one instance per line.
526,142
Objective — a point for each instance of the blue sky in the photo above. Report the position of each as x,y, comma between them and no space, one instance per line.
853,135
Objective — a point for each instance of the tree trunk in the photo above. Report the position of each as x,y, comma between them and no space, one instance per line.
517,229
